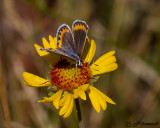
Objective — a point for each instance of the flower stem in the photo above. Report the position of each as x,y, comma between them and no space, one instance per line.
80,121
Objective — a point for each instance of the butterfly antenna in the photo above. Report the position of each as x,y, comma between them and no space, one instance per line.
45,49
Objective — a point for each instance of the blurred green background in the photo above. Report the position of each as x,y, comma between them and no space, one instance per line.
131,27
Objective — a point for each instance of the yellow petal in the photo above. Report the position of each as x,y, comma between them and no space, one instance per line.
41,53
75,93
102,58
106,97
51,58
83,87
66,104
108,61
82,95
80,91
35,81
53,42
86,48
70,108
104,69
45,43
100,98
91,52
57,98
62,101
101,101
44,101
93,99
54,58
87,39
63,109
47,99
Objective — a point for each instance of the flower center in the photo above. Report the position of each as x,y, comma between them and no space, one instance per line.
68,77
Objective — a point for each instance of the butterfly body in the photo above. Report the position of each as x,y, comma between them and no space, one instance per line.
71,43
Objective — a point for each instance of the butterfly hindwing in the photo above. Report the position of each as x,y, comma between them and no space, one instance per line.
80,29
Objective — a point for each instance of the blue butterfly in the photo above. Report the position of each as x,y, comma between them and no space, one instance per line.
70,43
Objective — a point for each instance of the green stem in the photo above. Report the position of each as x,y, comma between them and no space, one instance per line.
80,121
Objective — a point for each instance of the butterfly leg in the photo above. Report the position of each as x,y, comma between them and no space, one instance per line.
76,69
79,63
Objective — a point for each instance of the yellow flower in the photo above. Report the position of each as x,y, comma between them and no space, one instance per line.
69,82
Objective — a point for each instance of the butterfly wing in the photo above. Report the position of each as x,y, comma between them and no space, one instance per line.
65,43
65,38
80,29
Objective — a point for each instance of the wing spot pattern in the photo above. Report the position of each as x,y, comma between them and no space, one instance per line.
80,26
60,35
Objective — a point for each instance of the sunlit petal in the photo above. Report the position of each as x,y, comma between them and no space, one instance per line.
93,99
47,99
100,98
103,57
83,87
80,91
86,48
45,43
105,97
66,103
107,61
41,53
35,81
47,56
44,101
51,58
91,52
57,98
82,95
53,43
75,93
70,108
62,101
105,69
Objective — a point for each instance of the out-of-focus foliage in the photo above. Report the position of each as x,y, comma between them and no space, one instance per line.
131,27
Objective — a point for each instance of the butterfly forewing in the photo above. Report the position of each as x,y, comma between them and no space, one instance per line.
70,45
65,44
64,38
80,29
